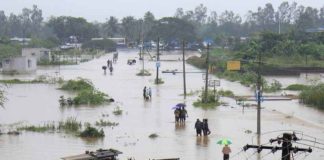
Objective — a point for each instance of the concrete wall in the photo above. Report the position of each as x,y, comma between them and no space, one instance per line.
23,64
40,53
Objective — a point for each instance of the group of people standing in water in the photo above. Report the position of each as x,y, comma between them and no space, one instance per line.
202,127
180,115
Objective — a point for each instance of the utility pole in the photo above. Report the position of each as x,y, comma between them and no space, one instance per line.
157,60
258,92
143,56
184,69
207,68
286,147
279,22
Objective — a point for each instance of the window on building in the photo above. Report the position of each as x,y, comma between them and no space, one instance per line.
7,61
33,54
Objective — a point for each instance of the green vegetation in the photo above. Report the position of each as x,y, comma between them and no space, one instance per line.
105,44
144,73
159,81
92,97
296,87
226,93
313,95
274,87
117,111
77,85
87,94
43,128
211,102
153,135
103,123
91,132
191,93
39,79
9,50
18,81
70,125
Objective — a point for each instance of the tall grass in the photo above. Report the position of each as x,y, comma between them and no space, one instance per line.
313,96
70,125
40,128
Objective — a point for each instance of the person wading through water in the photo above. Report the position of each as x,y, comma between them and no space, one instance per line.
198,127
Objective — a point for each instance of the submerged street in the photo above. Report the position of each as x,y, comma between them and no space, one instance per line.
38,104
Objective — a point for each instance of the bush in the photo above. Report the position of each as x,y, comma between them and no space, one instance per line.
297,87
92,97
313,96
274,87
226,93
78,85
211,102
91,132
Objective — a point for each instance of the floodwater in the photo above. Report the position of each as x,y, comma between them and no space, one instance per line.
38,104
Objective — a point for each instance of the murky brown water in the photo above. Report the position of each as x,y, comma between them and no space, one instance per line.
38,103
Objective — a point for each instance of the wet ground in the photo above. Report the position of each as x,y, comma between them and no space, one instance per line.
38,104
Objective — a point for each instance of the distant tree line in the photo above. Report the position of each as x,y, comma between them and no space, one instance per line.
193,25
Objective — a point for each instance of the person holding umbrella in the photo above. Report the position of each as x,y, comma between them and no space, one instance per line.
226,149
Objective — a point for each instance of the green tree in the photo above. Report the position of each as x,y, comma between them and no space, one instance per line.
111,27
64,27
170,28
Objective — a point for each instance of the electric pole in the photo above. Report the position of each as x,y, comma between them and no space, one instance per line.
207,68
143,56
286,147
184,69
258,93
157,61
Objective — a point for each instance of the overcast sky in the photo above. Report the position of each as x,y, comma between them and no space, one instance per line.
99,10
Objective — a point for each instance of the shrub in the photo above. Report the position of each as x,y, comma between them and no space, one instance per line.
226,93
91,132
313,96
297,87
78,85
92,97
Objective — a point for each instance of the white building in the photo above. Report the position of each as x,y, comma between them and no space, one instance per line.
41,54
23,64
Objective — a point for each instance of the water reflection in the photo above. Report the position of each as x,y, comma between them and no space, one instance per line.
202,141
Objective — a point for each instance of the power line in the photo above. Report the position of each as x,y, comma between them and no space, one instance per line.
286,147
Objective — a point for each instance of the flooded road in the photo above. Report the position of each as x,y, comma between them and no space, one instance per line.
38,104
